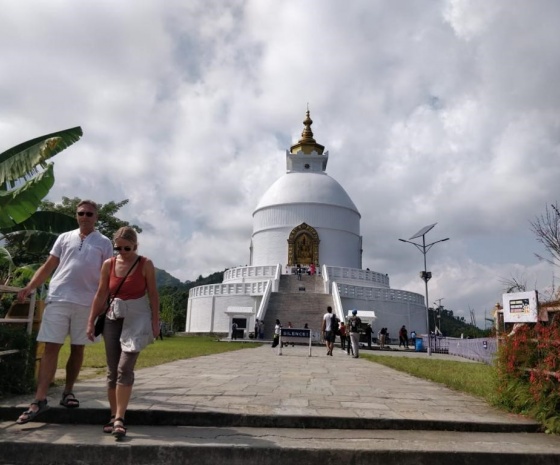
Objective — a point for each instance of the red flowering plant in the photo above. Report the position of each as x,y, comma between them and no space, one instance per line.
528,366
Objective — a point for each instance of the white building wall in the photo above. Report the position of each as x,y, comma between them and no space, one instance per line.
338,229
337,248
391,315
200,315
207,314
315,215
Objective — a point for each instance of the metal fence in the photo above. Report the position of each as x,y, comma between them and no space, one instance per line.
481,349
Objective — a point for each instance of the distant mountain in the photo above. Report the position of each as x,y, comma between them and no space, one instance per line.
163,278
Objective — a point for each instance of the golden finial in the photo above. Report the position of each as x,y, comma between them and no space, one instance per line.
307,143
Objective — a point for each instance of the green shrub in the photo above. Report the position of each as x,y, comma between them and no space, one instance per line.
16,370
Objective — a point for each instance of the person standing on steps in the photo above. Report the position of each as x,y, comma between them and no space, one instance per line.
328,330
76,259
131,323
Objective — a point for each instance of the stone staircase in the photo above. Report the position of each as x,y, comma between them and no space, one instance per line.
298,302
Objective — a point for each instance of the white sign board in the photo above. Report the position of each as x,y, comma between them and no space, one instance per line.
520,307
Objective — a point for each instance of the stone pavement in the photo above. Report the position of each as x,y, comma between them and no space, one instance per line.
295,406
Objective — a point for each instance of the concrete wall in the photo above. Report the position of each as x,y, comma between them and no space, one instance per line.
391,315
338,229
207,314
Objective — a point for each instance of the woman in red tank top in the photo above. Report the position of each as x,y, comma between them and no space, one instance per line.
132,320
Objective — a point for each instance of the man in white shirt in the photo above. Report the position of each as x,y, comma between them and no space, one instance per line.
328,330
77,257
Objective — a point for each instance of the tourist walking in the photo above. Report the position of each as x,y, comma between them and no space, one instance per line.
75,258
128,281
329,321
354,323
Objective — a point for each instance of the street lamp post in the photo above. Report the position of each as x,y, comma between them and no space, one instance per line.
425,275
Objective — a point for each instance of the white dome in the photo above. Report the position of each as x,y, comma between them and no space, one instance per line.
318,188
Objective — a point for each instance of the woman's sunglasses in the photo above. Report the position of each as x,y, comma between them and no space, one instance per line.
126,248
88,214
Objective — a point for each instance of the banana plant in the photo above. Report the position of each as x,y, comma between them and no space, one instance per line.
26,177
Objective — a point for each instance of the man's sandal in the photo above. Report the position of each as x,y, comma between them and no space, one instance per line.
69,400
108,427
119,431
30,414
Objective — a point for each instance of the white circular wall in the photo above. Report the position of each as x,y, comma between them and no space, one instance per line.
317,200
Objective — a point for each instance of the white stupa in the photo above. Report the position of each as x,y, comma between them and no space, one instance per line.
305,218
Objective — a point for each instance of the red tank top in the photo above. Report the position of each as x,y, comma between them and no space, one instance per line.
134,285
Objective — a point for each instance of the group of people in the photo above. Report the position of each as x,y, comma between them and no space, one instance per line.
300,270
86,275
350,333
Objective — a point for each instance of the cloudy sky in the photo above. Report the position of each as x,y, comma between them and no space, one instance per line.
432,111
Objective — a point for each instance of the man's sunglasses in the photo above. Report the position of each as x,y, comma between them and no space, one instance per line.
126,248
88,214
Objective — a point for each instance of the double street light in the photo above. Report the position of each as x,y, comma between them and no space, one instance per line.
425,275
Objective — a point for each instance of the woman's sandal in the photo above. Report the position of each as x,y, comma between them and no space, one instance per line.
69,400
119,431
29,414
108,427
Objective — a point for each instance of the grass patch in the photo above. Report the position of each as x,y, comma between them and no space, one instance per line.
168,350
477,379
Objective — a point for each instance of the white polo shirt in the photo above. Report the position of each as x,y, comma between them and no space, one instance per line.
76,278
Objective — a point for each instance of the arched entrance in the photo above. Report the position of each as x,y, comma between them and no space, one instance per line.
303,246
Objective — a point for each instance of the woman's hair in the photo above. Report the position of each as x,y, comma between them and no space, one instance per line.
126,233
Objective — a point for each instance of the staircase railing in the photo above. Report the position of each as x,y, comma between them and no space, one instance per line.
264,302
338,310
326,280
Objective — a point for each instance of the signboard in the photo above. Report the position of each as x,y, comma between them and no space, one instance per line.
291,332
520,307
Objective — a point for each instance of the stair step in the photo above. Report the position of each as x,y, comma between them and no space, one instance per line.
39,443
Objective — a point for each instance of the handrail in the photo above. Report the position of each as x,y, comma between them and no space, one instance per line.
338,310
28,320
30,313
264,302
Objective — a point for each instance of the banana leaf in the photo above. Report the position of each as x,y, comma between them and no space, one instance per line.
21,161
19,204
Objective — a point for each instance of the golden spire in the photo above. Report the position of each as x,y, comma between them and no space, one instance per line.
307,143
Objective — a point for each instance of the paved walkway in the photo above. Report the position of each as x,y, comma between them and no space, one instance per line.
254,406
259,382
